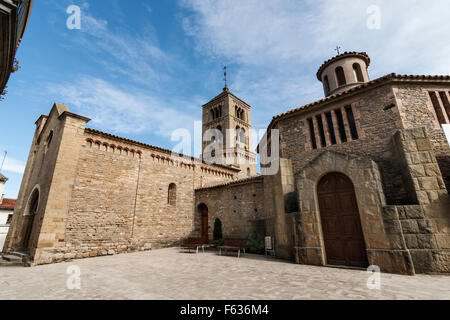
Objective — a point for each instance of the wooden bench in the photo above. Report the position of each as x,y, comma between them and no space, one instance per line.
194,243
233,245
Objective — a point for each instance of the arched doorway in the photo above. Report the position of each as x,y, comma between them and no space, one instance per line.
341,223
203,210
30,213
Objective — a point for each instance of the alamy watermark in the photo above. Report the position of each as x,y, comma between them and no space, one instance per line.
74,19
228,147
74,280
374,280
374,18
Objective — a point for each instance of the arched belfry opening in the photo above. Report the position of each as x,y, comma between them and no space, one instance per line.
341,223
358,72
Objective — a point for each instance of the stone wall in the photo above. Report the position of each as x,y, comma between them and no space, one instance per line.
417,110
377,119
426,227
50,172
120,199
102,194
239,205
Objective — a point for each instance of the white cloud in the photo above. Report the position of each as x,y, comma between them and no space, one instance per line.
13,165
278,45
123,110
280,31
135,55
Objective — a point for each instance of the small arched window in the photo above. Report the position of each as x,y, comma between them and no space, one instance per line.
242,135
48,141
238,134
212,114
172,195
248,172
340,76
326,85
358,73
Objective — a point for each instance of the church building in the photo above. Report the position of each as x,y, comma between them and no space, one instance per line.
362,178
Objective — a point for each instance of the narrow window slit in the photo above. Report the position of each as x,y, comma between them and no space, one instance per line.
312,134
351,123
321,131
331,128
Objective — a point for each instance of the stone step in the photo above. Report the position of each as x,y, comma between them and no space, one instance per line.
12,258
19,254
5,263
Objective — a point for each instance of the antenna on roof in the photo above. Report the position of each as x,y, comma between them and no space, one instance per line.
337,49
3,161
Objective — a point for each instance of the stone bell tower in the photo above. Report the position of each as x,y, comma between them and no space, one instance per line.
228,117
343,72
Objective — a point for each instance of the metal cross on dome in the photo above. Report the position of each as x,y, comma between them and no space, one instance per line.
337,49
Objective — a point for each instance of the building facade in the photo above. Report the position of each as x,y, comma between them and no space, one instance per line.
6,211
362,179
14,17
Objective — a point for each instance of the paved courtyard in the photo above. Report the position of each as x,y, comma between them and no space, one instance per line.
169,274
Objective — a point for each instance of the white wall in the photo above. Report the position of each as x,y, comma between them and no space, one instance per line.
3,226
2,188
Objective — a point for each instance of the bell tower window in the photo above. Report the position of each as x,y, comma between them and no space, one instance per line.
358,73
340,76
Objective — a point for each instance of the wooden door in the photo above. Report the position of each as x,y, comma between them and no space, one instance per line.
341,224
204,212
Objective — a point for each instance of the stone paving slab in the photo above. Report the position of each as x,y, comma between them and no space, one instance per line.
172,274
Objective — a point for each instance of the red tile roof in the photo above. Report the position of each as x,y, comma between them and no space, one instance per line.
244,180
8,204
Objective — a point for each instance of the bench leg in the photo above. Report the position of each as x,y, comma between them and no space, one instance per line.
239,253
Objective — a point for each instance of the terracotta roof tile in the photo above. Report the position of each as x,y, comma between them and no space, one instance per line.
245,180
8,204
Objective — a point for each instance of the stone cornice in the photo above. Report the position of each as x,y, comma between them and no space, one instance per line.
148,146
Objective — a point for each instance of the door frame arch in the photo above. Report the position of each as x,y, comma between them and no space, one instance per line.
29,218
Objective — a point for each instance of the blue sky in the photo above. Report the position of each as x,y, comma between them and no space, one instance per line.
141,69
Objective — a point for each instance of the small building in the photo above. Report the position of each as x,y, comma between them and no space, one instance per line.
6,211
